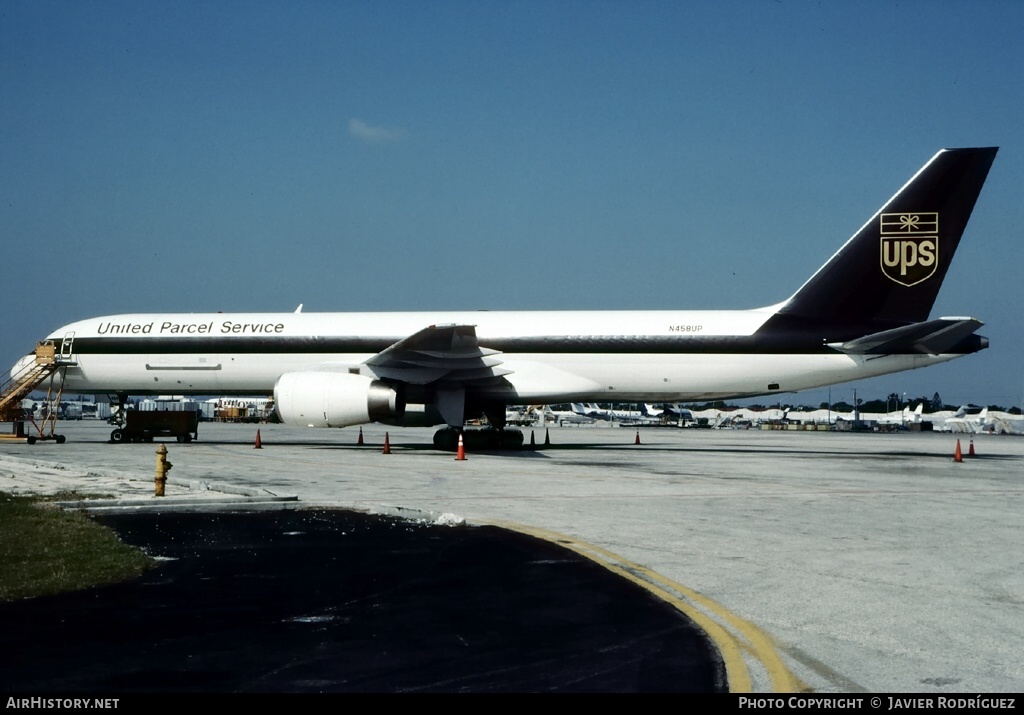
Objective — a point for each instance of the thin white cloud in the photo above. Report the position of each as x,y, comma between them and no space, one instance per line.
362,131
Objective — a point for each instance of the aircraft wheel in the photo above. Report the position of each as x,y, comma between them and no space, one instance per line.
30,439
117,436
510,439
61,439
446,438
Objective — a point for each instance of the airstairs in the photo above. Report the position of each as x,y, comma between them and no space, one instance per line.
29,377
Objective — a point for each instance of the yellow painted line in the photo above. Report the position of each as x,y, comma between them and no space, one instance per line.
740,637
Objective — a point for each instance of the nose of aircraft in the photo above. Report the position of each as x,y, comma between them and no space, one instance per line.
22,365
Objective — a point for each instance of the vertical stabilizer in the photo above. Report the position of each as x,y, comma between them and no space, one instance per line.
890,271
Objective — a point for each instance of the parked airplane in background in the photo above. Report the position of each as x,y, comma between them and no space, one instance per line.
670,413
651,411
981,420
966,419
607,413
561,416
904,418
864,313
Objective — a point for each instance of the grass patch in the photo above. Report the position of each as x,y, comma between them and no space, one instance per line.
46,550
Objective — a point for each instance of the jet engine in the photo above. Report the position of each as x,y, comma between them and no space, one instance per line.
334,399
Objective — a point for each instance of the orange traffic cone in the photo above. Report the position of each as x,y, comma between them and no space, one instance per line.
970,450
637,440
547,437
533,439
360,440
387,444
958,455
460,455
259,442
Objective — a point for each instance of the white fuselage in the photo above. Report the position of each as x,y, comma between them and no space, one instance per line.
566,356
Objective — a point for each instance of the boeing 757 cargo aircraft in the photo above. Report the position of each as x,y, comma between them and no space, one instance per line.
864,313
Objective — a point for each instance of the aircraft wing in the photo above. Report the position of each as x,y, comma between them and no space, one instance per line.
446,354
932,337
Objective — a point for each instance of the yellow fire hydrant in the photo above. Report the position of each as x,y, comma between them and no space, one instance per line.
162,467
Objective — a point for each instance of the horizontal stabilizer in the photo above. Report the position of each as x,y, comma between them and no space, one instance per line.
932,337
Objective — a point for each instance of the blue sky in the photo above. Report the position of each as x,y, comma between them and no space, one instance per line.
251,156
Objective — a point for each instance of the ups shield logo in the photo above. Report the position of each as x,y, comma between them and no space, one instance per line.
910,246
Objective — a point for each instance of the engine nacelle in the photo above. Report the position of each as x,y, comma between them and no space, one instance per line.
334,399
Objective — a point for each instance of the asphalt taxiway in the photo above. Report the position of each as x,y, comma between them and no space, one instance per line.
332,601
828,561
